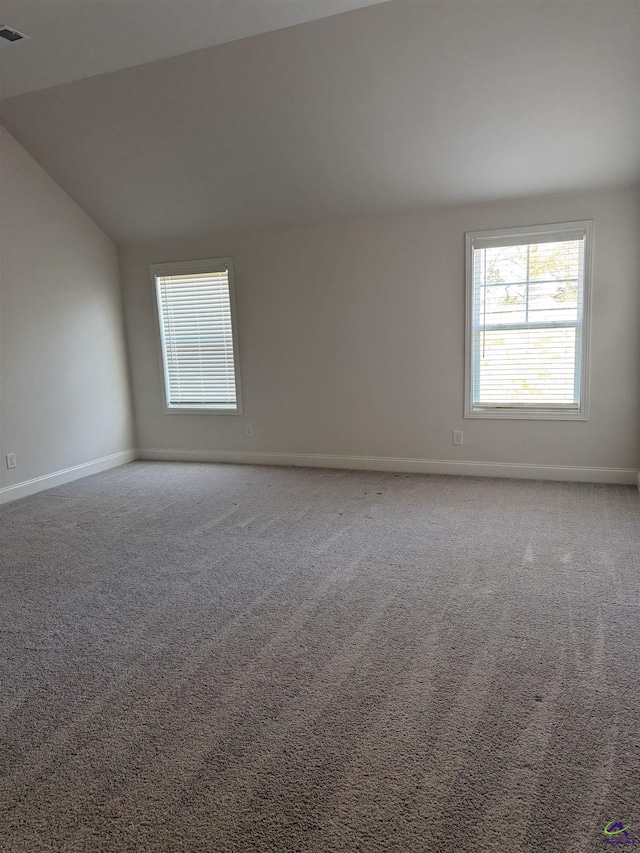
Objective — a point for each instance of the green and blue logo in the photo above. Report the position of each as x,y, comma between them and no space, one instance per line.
618,832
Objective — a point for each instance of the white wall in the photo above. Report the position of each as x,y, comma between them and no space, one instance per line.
64,383
352,344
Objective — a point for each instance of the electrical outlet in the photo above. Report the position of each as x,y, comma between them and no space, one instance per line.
457,436
11,460
248,431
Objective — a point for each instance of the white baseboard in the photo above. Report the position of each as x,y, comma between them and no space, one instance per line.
58,478
627,476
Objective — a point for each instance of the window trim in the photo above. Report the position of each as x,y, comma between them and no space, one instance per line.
206,265
525,413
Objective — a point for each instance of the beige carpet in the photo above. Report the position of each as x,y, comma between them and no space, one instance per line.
223,658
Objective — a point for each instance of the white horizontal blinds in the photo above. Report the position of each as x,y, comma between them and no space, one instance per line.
527,322
197,340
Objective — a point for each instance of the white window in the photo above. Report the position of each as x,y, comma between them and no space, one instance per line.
528,322
198,341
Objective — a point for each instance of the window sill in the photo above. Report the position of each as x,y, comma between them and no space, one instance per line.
177,410
528,415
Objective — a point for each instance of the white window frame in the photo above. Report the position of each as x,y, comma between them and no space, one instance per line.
528,234
208,265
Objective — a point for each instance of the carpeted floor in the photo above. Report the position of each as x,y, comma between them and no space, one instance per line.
232,659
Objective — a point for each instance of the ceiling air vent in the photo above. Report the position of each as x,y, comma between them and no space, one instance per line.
7,34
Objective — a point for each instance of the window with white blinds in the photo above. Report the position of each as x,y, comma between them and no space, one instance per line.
527,322
197,334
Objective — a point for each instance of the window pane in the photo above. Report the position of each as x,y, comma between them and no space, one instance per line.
197,340
524,367
527,314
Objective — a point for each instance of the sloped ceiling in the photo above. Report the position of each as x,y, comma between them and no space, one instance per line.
397,106
72,39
